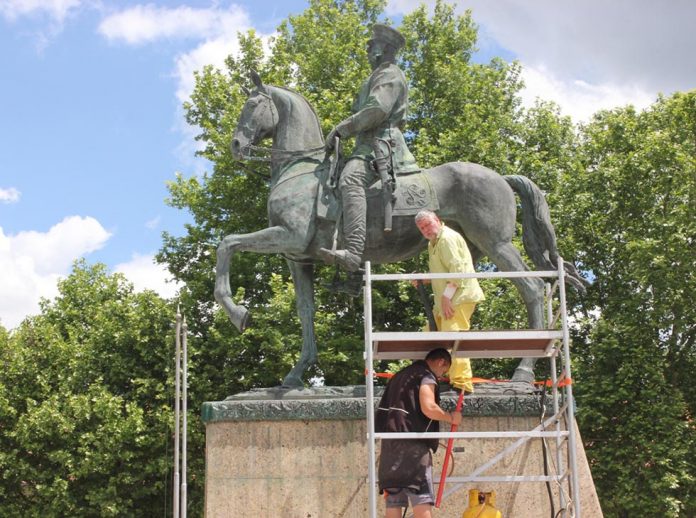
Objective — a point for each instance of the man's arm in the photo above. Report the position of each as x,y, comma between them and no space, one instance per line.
376,110
384,93
455,255
431,409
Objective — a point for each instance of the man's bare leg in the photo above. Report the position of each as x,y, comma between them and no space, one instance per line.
423,511
395,512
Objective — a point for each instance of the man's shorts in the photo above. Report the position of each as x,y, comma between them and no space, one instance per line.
402,497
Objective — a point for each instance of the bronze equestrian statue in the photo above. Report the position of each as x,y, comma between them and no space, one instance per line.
475,201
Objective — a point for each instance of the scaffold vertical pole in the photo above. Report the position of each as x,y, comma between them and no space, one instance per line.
369,395
554,389
570,408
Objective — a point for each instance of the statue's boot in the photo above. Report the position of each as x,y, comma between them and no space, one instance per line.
354,208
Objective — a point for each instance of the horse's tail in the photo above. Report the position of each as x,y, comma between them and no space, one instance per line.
538,235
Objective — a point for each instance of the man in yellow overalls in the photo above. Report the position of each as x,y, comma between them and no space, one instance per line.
455,299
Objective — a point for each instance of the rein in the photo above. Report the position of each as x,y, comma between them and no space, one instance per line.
283,177
268,154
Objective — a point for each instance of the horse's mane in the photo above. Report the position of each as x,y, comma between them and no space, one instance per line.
294,94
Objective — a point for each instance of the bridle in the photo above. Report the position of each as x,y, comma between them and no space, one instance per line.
267,154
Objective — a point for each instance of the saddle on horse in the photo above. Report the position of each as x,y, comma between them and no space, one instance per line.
412,192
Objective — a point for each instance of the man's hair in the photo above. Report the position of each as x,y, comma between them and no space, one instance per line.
425,214
439,354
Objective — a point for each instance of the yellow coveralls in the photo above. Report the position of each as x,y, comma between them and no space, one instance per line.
448,253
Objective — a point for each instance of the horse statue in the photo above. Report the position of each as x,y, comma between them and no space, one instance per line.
474,200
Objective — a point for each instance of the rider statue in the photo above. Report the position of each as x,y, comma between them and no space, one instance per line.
378,112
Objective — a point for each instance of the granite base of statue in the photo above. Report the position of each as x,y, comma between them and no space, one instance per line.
302,453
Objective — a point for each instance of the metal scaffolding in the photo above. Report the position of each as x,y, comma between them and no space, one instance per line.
551,343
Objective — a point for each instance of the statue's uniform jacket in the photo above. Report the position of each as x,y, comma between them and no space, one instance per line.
378,111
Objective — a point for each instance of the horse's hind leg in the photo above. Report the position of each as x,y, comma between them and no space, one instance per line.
508,259
303,277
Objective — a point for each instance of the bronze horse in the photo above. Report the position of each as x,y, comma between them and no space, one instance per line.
474,200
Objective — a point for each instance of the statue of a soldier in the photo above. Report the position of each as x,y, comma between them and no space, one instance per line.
378,111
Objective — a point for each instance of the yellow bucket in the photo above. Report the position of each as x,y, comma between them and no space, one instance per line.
486,509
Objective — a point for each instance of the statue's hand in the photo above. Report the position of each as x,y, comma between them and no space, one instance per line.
331,140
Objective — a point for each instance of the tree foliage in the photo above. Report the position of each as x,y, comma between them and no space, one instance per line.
84,402
630,213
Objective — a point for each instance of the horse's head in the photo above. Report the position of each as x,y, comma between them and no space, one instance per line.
257,121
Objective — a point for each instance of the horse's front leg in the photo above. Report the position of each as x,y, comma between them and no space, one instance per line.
269,240
303,277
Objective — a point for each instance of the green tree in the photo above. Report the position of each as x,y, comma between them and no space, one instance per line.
459,110
86,421
630,213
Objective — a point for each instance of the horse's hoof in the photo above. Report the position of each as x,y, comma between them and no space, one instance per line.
241,318
245,321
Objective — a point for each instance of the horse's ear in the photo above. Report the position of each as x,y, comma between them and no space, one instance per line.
246,91
256,79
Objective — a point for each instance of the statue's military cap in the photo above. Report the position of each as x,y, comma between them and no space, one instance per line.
388,35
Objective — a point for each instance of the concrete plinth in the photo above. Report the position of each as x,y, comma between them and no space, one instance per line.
303,454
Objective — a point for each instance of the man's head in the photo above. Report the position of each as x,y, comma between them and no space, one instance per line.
383,45
428,223
439,361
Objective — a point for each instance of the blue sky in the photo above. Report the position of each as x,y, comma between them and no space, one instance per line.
91,125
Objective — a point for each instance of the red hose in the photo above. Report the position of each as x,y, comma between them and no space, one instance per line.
448,453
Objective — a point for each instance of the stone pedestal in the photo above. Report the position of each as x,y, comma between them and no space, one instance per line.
303,454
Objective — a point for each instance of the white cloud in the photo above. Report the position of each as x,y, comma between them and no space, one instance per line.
578,98
214,29
590,52
55,250
10,195
210,52
55,9
31,263
634,42
153,223
146,23
145,274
